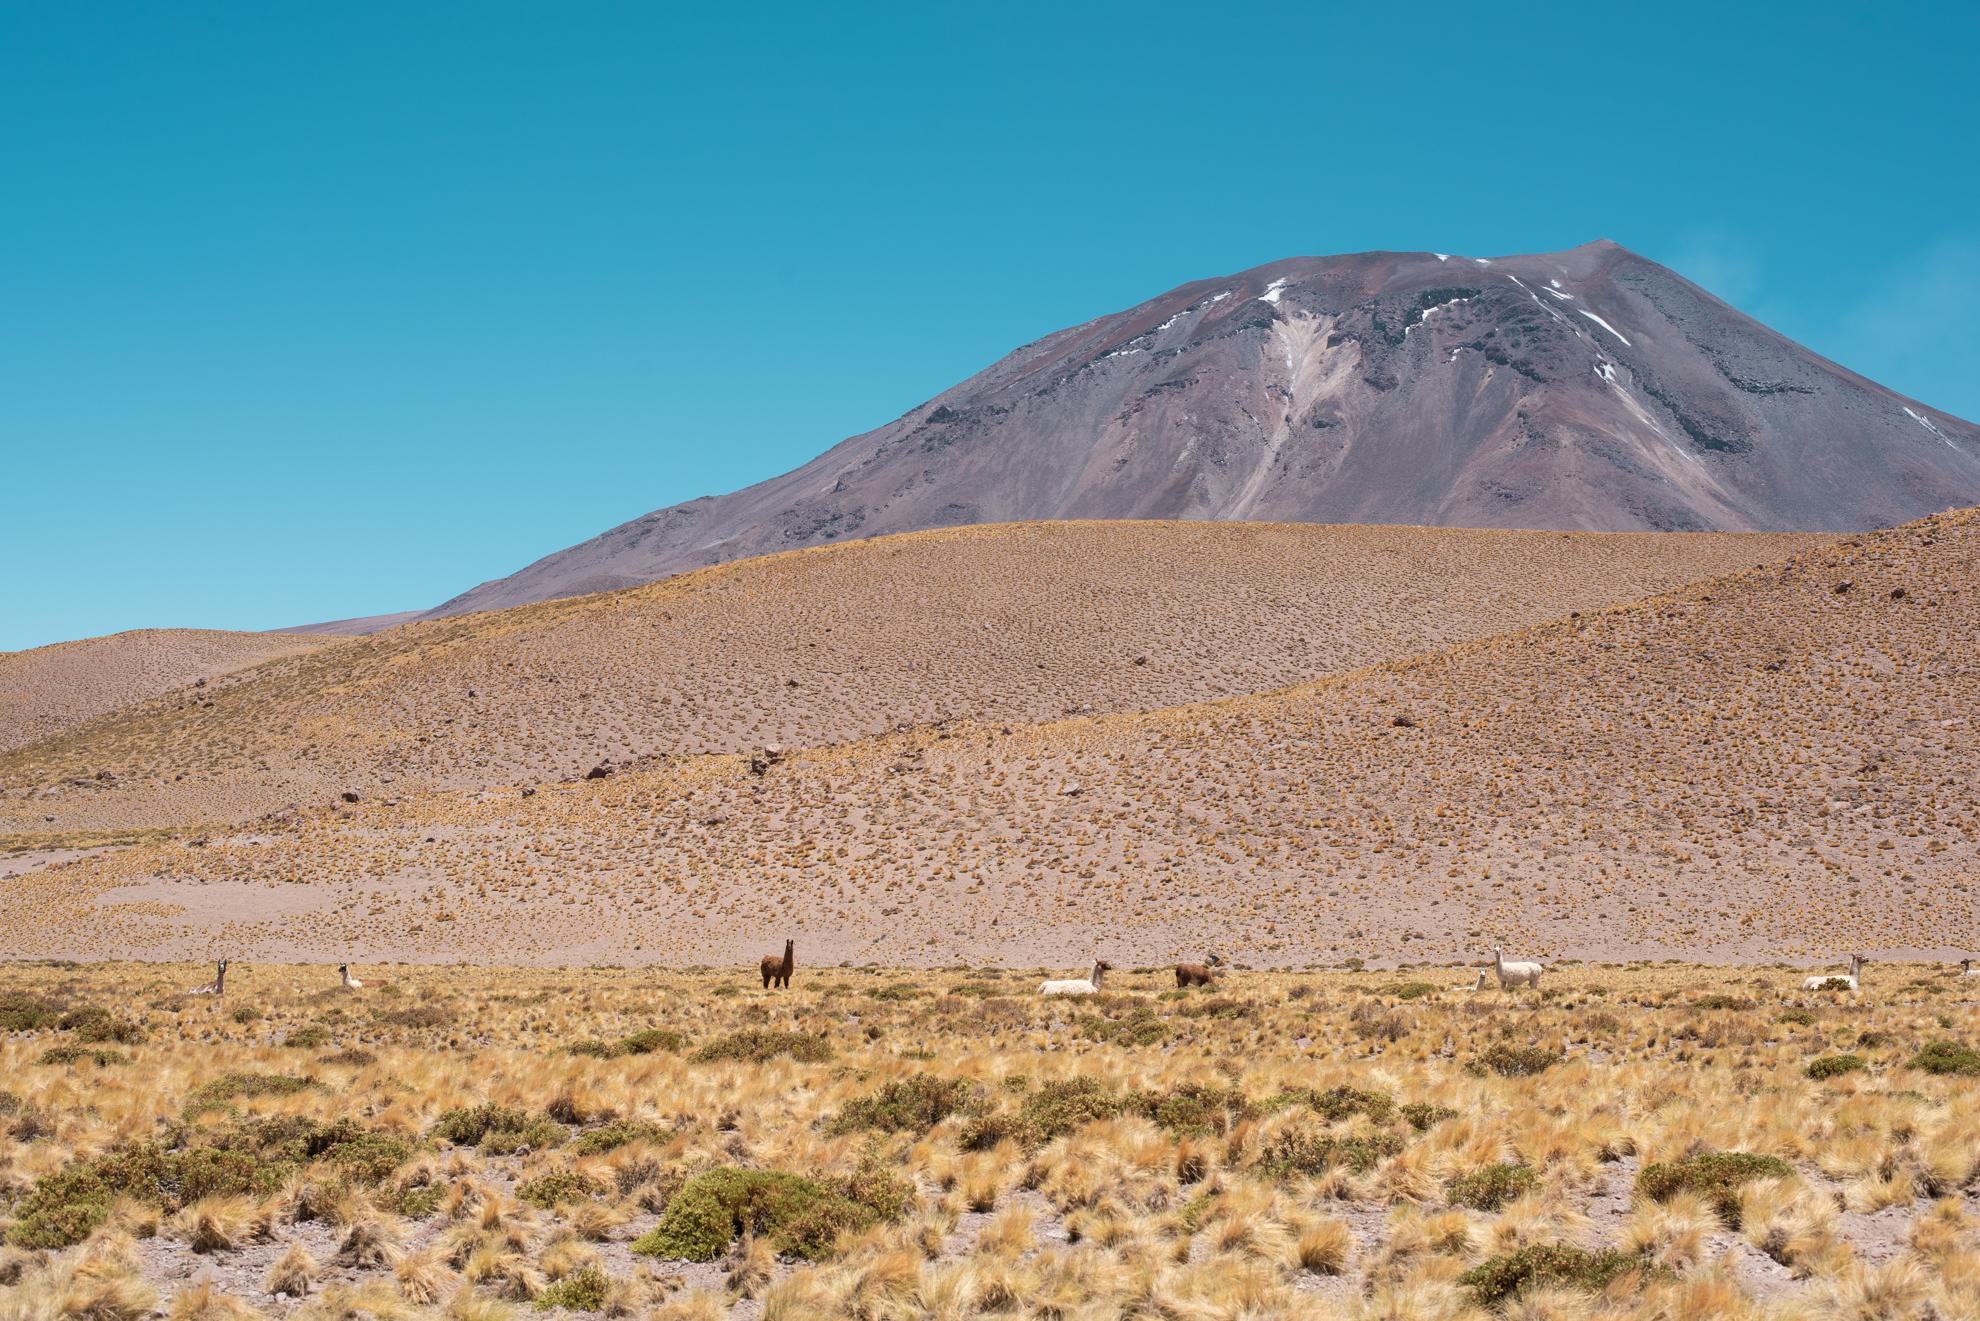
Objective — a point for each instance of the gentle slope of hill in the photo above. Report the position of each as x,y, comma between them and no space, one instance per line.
49,689
1779,763
1588,389
1018,623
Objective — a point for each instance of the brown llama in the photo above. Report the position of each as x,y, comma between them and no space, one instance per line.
1194,974
779,970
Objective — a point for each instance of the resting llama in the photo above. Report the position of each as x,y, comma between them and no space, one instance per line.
218,986
1854,979
1089,987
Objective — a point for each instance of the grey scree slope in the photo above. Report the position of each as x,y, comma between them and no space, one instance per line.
1586,389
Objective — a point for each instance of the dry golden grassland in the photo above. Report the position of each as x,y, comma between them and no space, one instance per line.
1632,1141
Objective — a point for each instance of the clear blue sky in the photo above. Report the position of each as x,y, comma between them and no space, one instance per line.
318,310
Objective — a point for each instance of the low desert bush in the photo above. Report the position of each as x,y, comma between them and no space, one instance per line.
559,1187
582,1291
1513,1061
1490,1188
1423,1115
103,1056
1831,1066
222,1091
1946,1057
1338,1103
1296,1150
906,1105
21,1012
310,1037
1408,990
1498,1280
1723,1001
1716,1176
610,1137
802,1217
1804,1017
758,1045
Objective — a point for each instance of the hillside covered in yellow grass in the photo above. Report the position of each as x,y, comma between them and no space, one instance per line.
1772,764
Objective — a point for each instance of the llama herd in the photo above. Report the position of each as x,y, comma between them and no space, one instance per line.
777,971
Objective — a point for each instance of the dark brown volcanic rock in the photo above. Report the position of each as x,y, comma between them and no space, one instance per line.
1588,389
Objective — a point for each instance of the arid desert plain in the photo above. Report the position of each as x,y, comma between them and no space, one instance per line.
1687,774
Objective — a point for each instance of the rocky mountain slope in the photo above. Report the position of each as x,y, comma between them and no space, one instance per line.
1588,389
1019,623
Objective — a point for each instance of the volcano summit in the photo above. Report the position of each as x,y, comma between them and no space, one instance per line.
1590,389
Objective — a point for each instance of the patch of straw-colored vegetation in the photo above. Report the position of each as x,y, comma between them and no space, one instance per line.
973,1149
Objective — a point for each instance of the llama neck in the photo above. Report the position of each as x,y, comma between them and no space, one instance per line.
1498,961
1098,973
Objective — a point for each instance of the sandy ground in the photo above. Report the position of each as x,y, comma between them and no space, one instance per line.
1017,624
48,690
1759,768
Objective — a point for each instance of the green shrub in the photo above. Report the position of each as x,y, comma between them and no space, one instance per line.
1302,1151
1722,1001
1514,1061
758,1045
1064,1104
906,1105
581,1291
1408,990
219,1093
426,1015
355,1057
897,991
977,989
95,1023
1492,1187
1338,1103
1717,1176
469,1124
558,1187
538,1135
983,1131
67,1205
369,1157
1802,1016
1198,1108
716,1208
103,1055
607,1137
1498,1279
307,1038
1831,1066
1220,1008
1835,984
1946,1057
602,1050
653,1039
246,1014
1422,1115
21,1012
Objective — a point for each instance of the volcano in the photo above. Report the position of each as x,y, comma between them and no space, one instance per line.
1590,389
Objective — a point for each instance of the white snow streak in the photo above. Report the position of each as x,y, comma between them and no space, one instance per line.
1221,297
1271,294
1441,256
1926,422
1606,326
1481,261
1566,298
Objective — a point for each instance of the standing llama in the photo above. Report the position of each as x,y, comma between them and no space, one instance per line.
218,986
779,970
1515,974
1091,986
1194,974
